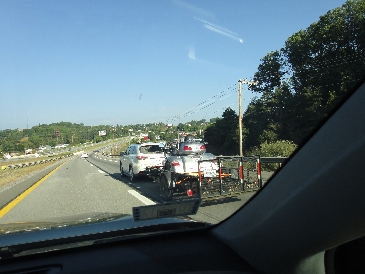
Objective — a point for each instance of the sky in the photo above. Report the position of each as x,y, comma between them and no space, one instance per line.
137,62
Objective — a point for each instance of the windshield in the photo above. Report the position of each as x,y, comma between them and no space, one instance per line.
84,83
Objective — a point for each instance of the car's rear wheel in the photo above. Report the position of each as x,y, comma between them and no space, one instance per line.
121,170
165,192
131,175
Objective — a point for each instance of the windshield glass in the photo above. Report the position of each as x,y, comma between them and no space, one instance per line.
224,93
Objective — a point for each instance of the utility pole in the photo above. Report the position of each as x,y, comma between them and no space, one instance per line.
113,130
240,82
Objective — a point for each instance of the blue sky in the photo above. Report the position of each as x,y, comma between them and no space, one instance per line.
136,62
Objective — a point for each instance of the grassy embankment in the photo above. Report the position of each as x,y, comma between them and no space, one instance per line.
10,176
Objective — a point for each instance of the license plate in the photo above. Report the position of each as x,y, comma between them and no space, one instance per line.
209,173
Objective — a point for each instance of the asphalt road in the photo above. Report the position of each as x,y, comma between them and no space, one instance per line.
81,186
211,211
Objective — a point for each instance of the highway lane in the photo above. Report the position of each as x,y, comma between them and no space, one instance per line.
74,188
144,185
211,211
95,185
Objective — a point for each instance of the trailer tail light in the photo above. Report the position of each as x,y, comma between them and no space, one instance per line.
187,148
175,163
142,157
189,192
202,147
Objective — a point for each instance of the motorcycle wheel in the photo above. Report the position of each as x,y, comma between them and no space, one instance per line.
165,192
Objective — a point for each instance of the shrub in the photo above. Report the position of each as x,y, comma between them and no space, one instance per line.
282,148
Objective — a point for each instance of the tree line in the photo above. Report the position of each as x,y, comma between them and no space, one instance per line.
299,84
17,140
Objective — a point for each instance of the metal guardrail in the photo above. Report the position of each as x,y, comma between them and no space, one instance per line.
278,160
22,165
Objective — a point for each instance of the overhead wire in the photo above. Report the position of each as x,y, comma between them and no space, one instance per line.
210,101
207,103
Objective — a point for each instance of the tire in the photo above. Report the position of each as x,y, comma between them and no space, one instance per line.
121,171
165,192
131,175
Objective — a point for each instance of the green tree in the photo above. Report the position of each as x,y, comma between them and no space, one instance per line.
270,72
36,140
222,136
296,92
280,148
8,146
152,136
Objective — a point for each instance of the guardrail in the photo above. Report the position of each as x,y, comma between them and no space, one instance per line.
22,165
278,160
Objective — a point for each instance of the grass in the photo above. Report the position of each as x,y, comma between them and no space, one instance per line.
10,176
28,160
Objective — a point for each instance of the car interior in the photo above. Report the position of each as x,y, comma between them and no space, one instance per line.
309,218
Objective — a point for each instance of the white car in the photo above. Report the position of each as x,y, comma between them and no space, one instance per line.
84,155
138,157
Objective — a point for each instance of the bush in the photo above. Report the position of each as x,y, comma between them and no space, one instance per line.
282,148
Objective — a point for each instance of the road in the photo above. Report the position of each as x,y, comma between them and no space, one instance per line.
95,185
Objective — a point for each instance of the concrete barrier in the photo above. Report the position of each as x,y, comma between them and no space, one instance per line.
22,165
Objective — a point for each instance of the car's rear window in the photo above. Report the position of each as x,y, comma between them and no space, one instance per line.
150,149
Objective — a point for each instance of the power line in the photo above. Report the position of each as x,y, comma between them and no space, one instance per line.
210,101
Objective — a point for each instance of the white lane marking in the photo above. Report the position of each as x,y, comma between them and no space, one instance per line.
101,171
110,160
142,198
116,161
91,165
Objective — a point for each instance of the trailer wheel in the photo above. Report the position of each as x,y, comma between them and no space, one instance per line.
165,192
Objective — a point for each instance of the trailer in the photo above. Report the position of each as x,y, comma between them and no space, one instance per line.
219,176
179,173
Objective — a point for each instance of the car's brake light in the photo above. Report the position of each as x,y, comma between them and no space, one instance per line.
202,147
187,148
142,157
175,163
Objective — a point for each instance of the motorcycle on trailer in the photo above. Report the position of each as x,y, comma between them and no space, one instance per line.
183,166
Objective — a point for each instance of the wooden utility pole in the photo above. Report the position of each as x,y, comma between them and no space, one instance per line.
113,130
240,82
